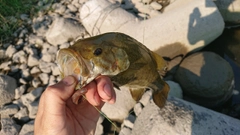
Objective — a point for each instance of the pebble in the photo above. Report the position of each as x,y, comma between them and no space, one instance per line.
20,57
44,77
5,65
48,57
7,89
35,70
156,5
22,115
26,74
8,110
129,121
55,69
10,51
28,128
72,8
52,80
14,68
36,82
59,8
45,67
19,91
9,127
33,108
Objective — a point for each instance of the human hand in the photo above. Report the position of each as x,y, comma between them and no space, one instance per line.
58,115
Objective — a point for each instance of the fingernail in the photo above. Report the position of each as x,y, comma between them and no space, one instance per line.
107,89
69,80
83,90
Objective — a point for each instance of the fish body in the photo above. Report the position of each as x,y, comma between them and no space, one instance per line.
125,60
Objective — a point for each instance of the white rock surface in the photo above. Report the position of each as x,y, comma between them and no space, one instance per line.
124,103
197,24
7,89
179,117
63,30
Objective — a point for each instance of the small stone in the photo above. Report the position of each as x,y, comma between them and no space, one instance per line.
19,91
35,70
72,8
8,111
23,66
38,40
19,103
22,81
52,80
22,115
59,8
36,82
48,57
10,51
19,43
20,57
33,108
146,97
28,128
5,65
64,45
45,67
7,89
125,131
9,127
23,33
33,60
156,5
28,98
14,68
138,109
30,50
55,69
44,77
129,121
26,74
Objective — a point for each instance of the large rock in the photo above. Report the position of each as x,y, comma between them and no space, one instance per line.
63,30
206,79
179,117
120,109
7,89
9,127
230,9
187,25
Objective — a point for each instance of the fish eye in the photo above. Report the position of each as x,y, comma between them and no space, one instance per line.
97,52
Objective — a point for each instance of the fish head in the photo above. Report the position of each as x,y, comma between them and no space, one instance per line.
89,58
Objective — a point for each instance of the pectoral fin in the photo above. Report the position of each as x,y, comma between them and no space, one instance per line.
160,95
137,93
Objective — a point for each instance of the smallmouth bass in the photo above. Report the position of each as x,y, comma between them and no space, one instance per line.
125,60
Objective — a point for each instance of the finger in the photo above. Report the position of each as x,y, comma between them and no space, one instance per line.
105,89
55,96
92,94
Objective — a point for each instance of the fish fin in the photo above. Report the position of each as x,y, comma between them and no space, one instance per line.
160,96
161,63
137,93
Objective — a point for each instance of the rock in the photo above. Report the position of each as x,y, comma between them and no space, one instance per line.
10,51
175,89
26,74
31,50
208,79
28,128
129,121
229,9
19,91
125,131
198,25
20,57
52,80
7,87
5,65
35,70
156,5
59,8
8,110
99,128
55,69
37,40
63,30
9,127
33,108
33,60
138,108
14,68
145,97
120,109
48,57
22,115
28,98
45,67
44,77
72,8
184,118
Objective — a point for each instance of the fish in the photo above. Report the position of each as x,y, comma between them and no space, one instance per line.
122,58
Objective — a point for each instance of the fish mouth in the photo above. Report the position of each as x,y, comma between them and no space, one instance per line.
71,63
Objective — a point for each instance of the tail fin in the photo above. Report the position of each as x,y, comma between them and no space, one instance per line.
160,96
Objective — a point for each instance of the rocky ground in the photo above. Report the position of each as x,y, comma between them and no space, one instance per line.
27,64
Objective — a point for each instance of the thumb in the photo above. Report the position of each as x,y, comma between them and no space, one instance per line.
56,96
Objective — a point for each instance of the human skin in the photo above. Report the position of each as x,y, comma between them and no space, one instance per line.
58,115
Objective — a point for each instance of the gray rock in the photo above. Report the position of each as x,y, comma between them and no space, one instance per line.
183,118
5,65
129,121
37,40
31,50
23,33
44,77
22,81
48,57
19,91
63,30
19,103
14,68
72,8
8,110
28,128
125,131
23,66
24,17
22,115
33,60
33,108
9,127
10,51
52,80
7,87
20,57
208,79
26,74
30,97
